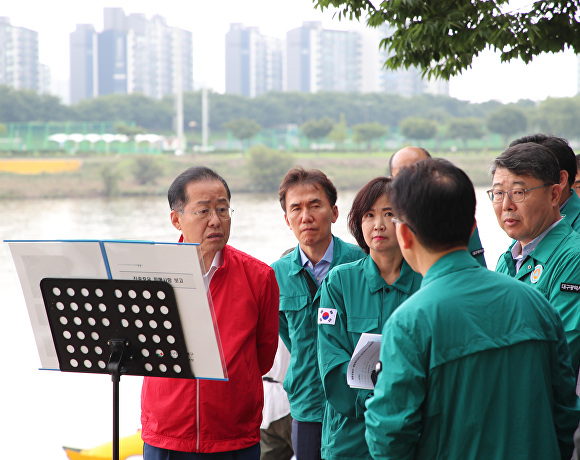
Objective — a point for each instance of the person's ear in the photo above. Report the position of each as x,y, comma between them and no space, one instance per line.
563,179
334,213
556,193
176,219
405,236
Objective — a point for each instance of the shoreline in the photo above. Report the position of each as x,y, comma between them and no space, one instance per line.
348,171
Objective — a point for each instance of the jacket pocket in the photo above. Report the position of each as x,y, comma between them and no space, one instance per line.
360,325
301,319
295,303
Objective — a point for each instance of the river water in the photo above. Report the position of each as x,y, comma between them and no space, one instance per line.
41,411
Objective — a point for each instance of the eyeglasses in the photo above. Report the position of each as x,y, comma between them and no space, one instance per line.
223,213
398,221
516,195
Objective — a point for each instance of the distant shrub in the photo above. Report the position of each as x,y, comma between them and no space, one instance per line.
267,167
146,169
110,177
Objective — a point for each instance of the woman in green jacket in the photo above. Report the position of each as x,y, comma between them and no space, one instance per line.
360,296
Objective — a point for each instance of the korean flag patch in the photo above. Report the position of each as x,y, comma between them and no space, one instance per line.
326,315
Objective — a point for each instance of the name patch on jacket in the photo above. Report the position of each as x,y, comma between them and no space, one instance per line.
477,252
569,287
326,315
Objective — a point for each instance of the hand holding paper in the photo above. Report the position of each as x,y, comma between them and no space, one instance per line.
364,360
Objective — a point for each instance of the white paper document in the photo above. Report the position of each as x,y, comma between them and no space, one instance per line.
178,264
364,360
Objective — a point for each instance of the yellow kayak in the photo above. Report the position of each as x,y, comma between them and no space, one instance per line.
128,446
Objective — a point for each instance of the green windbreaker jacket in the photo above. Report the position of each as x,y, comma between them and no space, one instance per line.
299,330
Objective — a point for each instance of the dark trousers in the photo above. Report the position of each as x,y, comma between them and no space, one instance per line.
306,439
155,453
276,440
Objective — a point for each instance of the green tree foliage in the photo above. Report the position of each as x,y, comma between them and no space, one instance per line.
507,121
317,129
285,108
243,128
25,105
151,114
465,129
267,167
339,133
368,132
416,128
277,110
559,115
146,169
128,130
271,110
443,37
226,107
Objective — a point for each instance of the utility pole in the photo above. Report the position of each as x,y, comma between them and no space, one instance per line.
204,119
178,82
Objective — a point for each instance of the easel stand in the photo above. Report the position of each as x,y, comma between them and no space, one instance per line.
116,327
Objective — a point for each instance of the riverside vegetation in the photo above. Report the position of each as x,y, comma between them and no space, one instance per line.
258,170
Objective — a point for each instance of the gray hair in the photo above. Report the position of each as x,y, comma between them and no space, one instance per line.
529,159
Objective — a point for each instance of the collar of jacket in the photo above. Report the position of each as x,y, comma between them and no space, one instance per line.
450,263
297,267
403,283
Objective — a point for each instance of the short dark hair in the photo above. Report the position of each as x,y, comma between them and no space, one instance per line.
578,161
176,194
561,149
529,159
437,200
363,201
300,176
391,159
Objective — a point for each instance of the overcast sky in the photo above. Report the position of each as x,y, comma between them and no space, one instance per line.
209,20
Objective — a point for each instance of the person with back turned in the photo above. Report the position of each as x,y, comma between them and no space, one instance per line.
200,419
411,155
474,365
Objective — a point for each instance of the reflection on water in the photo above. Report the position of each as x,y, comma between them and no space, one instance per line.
43,410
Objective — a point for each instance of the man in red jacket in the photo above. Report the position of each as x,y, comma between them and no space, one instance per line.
200,419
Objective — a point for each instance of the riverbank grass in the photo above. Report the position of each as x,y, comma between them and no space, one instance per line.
89,176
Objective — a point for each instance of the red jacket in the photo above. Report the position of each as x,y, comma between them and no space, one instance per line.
218,416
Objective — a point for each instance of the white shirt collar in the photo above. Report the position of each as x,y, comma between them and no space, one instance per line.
216,263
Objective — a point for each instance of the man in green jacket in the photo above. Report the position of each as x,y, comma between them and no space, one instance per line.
546,251
569,201
411,155
576,185
474,365
308,199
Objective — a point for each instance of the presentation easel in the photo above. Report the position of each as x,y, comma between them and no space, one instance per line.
116,327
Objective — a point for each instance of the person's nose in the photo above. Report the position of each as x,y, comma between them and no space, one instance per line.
380,223
306,215
507,204
214,220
